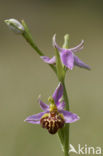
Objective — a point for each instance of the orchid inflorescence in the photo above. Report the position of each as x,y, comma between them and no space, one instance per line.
55,116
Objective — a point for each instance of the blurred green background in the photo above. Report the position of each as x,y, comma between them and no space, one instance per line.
23,75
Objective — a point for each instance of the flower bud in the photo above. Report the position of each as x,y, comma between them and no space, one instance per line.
15,25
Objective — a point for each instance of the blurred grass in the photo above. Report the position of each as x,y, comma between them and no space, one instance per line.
24,76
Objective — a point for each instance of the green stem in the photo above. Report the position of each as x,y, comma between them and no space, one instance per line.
67,126
26,34
61,137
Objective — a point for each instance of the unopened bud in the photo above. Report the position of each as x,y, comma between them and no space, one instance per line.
15,25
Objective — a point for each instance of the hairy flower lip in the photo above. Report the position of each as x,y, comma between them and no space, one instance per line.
68,57
52,122
65,116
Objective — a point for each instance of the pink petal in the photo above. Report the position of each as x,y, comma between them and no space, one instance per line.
78,47
61,105
43,106
35,119
79,63
69,117
67,59
58,93
48,60
56,45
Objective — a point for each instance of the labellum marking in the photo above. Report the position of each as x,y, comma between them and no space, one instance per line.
52,121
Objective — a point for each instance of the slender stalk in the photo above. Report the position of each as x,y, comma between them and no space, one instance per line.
61,137
28,37
67,126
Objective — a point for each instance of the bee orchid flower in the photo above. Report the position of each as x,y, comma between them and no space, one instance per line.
53,116
68,57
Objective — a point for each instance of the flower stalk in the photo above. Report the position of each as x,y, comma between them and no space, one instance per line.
64,133
28,37
65,95
67,126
